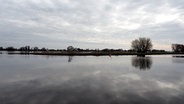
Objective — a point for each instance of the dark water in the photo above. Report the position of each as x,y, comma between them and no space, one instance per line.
91,80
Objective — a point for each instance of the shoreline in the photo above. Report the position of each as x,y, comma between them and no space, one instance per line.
95,53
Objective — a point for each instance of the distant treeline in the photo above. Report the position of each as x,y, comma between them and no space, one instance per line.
178,47
140,47
29,49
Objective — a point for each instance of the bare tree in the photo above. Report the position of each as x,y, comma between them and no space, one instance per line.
178,47
142,45
70,49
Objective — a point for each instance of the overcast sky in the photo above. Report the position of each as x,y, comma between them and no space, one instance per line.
91,23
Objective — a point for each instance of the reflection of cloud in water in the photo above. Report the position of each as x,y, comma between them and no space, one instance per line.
91,81
143,63
166,85
86,90
178,60
130,76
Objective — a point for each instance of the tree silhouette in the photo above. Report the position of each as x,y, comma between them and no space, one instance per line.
142,45
11,48
70,49
1,48
178,47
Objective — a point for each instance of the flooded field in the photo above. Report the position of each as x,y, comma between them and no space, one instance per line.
29,79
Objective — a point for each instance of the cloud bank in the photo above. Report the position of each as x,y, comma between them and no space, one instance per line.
91,23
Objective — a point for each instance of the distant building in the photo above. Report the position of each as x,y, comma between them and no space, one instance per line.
178,47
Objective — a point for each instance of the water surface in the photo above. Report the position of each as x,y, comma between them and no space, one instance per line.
91,80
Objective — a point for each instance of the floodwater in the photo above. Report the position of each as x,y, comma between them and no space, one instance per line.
29,79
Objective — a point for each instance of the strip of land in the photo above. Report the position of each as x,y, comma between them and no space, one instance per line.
94,53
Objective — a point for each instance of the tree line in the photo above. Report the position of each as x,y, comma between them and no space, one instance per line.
140,45
35,49
28,48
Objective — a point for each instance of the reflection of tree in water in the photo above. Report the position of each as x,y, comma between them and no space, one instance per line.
70,58
143,63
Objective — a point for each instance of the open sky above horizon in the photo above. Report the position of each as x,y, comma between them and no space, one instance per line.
91,23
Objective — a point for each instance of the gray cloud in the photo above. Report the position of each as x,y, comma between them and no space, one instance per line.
100,24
